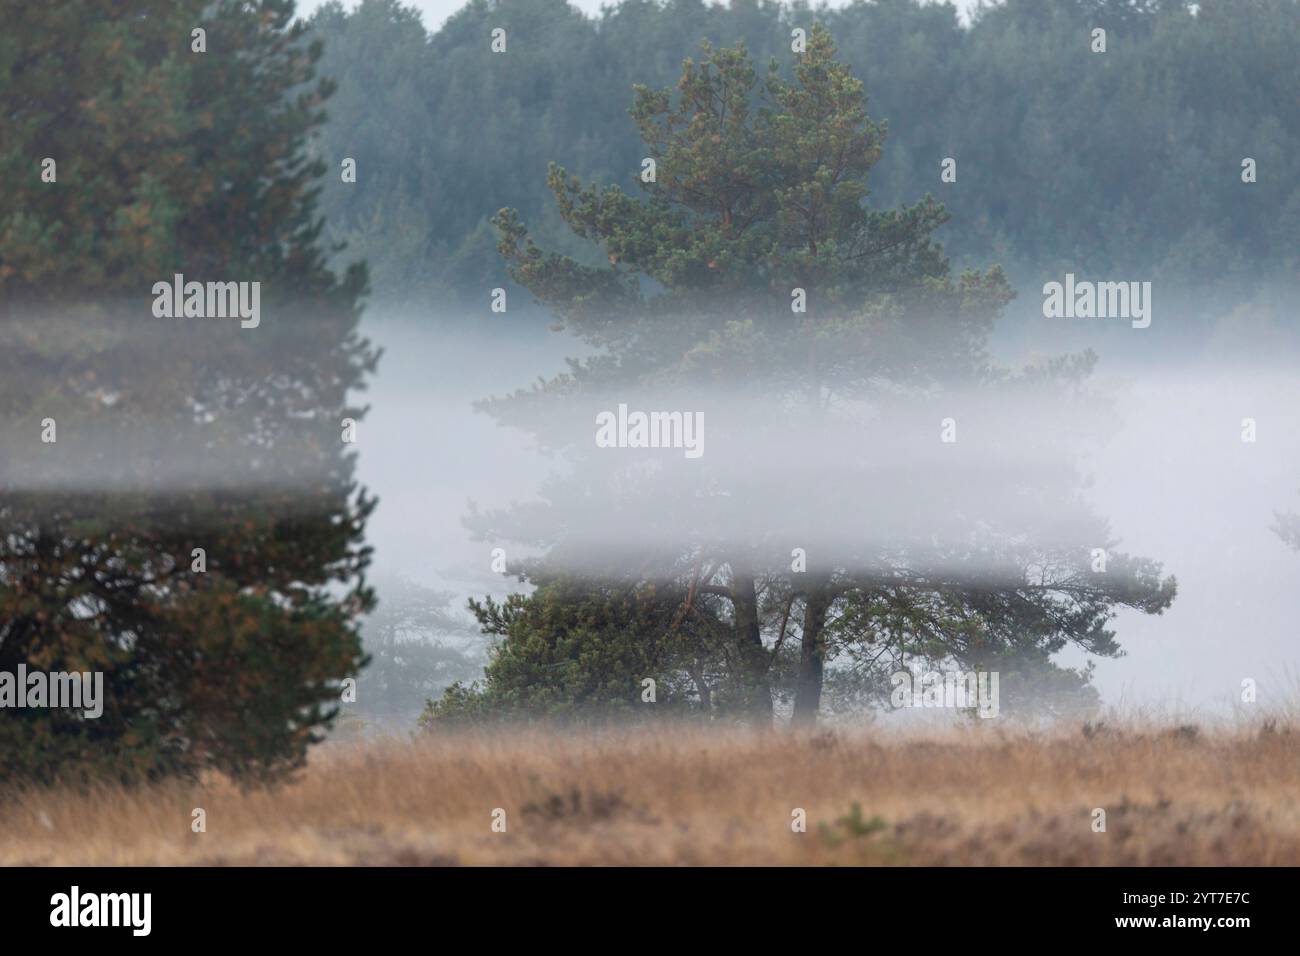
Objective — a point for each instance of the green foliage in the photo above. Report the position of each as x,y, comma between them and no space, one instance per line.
1147,138
172,434
761,186
579,651
851,826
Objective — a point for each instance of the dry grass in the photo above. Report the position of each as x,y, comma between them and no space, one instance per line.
694,796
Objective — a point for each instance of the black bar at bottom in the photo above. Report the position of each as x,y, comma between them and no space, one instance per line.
335,906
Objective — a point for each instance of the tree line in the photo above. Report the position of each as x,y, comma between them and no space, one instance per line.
1125,164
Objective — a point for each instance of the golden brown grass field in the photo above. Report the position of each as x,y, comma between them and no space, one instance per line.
971,796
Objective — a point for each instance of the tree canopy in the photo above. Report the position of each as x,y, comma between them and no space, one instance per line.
820,335
1148,138
177,510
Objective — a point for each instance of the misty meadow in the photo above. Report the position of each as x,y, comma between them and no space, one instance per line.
873,423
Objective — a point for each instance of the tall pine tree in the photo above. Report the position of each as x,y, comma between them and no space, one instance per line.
826,339
194,530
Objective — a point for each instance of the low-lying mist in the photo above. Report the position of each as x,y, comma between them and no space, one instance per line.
1184,463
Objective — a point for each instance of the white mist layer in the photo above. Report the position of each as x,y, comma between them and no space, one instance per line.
1170,478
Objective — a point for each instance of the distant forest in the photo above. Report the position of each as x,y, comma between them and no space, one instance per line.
1126,163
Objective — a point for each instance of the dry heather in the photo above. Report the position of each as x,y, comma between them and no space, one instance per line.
692,796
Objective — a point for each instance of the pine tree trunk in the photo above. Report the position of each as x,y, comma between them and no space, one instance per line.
758,691
808,698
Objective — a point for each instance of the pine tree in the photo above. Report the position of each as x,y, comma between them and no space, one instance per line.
195,531
759,199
